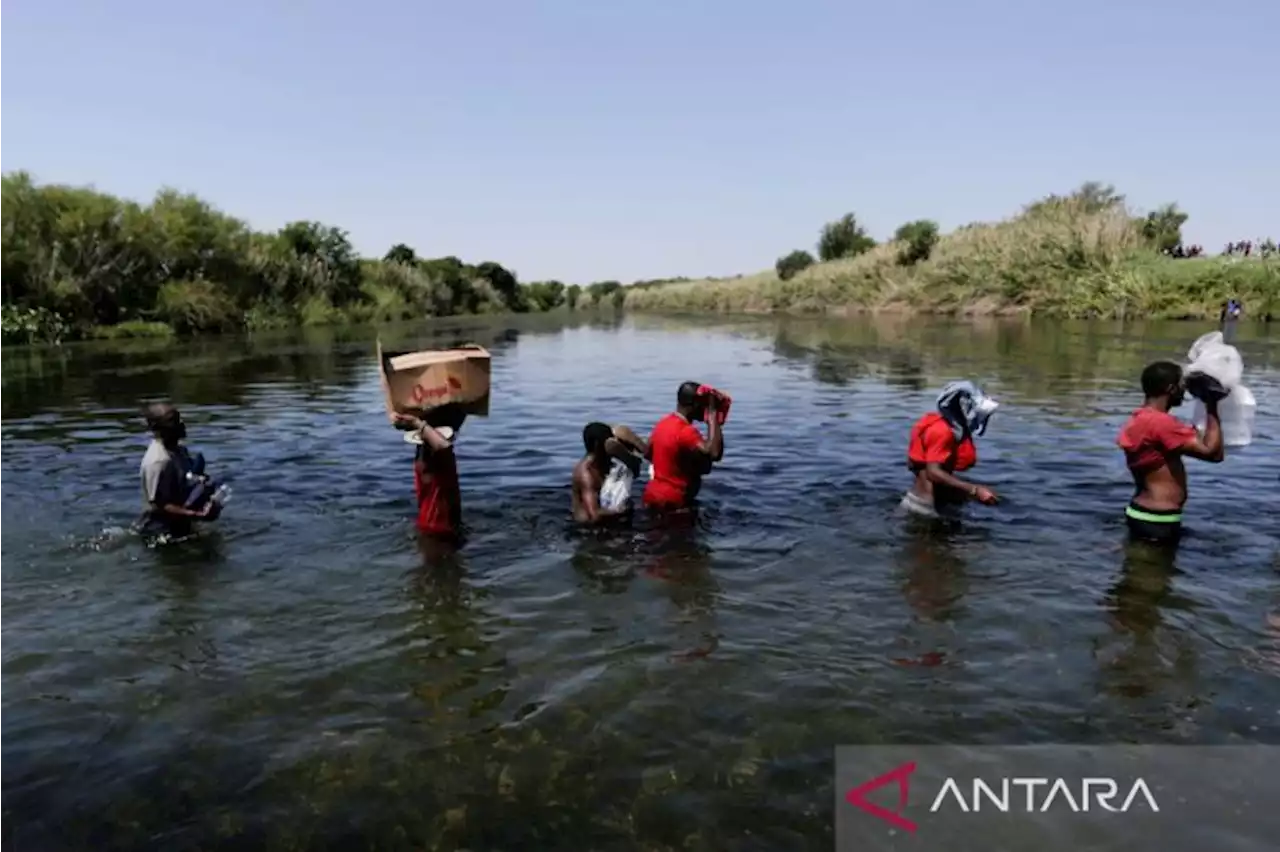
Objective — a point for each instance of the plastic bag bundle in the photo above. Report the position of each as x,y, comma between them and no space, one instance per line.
1212,358
615,494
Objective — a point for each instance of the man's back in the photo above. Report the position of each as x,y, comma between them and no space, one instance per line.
676,479
162,479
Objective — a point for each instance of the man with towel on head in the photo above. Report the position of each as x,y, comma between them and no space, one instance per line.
941,445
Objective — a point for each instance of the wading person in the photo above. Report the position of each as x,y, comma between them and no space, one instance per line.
602,479
435,472
164,477
1154,444
941,444
681,457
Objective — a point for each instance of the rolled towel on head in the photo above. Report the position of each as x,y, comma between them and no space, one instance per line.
966,407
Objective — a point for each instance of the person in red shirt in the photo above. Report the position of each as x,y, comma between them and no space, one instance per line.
435,472
1154,444
941,444
679,453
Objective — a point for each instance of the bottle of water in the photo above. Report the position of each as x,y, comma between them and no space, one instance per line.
222,495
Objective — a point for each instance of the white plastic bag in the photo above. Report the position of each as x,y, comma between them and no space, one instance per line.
1212,357
615,494
1236,412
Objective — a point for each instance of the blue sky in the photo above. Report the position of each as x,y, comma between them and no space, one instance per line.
596,140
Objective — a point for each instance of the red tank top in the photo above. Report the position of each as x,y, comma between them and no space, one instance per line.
439,497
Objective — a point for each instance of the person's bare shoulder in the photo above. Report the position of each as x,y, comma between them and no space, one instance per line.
586,475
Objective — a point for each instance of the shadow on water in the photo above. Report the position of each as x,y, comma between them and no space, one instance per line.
307,676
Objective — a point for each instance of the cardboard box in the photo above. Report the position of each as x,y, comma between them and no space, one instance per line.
416,382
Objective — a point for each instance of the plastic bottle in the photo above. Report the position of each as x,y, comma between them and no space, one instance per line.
222,495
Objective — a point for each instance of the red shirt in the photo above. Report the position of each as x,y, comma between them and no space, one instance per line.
673,439
1150,437
933,441
439,497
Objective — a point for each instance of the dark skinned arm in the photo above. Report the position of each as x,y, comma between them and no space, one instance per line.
431,439
174,510
713,446
621,451
1208,446
939,476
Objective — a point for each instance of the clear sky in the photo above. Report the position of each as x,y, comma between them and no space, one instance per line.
601,139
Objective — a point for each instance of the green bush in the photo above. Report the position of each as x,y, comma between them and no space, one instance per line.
788,266
31,325
1078,255
76,260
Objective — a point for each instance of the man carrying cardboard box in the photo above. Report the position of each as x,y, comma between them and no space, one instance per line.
431,392
435,471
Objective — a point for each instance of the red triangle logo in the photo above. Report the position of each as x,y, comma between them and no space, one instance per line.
858,796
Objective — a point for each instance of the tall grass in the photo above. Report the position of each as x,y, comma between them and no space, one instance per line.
1064,258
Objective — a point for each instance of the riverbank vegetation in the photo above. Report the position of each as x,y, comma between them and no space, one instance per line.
83,263
1080,255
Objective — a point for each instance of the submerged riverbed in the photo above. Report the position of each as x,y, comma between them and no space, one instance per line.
301,678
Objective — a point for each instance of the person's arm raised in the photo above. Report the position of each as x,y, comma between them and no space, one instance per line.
713,446
1208,446
431,439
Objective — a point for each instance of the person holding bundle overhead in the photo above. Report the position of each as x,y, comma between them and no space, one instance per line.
941,445
602,479
680,455
1155,443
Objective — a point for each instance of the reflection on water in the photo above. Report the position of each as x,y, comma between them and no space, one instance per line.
308,676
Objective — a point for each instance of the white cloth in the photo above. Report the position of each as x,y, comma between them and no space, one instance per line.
615,494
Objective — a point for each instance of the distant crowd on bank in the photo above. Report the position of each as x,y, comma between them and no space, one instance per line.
1244,248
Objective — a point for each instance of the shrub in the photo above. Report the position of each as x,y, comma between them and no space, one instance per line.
788,266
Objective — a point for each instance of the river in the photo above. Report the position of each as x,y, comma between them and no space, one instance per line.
299,678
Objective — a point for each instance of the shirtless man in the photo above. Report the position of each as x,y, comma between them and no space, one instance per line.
1154,444
603,444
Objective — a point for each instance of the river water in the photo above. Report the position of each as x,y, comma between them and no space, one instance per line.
302,677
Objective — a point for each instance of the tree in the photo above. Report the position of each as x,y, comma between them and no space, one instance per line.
918,238
1162,227
844,238
401,253
545,295
1091,197
793,264
75,258
602,290
572,295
